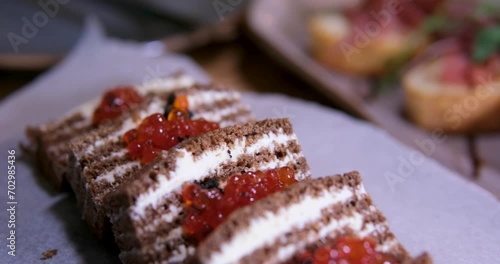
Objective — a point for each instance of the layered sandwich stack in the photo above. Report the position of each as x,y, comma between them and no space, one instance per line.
49,142
187,175
102,159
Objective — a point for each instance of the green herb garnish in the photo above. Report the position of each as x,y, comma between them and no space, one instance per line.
434,23
487,40
486,43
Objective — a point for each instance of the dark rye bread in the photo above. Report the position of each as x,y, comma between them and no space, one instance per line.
48,144
221,101
150,233
87,164
100,160
49,148
359,203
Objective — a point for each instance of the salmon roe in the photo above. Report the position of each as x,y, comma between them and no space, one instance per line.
114,103
345,249
157,132
206,205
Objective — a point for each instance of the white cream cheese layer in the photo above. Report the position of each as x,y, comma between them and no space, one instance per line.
217,115
201,98
166,84
205,164
264,230
118,171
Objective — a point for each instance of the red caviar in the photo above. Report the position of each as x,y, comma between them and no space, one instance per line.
206,208
345,249
157,132
115,102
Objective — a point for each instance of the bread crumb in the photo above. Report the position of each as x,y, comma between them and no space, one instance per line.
48,254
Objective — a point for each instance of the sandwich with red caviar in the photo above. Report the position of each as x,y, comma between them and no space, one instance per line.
49,142
104,159
180,198
316,221
457,88
363,40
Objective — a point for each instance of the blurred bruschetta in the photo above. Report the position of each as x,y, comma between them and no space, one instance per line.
362,41
454,94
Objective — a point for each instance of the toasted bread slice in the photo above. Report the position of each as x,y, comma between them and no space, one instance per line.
451,108
365,50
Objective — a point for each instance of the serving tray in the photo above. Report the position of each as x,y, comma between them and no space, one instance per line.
279,26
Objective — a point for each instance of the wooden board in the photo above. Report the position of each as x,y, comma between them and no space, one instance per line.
279,27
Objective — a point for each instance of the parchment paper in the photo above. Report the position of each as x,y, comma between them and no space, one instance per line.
428,207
